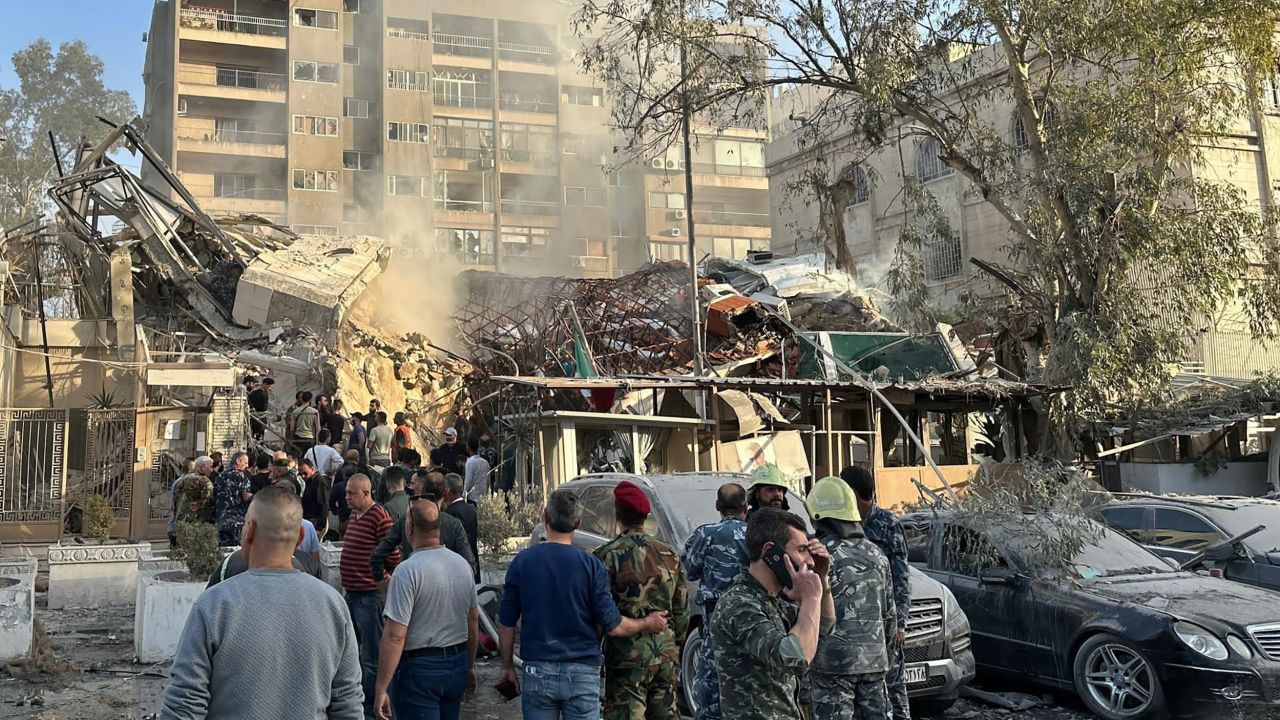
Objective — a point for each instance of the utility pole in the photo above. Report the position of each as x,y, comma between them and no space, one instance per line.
695,306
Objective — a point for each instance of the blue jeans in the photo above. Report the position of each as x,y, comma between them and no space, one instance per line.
366,616
430,688
560,691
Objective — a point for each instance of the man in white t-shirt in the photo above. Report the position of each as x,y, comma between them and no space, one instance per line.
324,458
380,437
429,642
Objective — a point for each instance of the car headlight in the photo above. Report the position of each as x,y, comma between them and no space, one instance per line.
957,621
1200,640
1239,646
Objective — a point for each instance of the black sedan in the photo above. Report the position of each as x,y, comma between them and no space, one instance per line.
1132,636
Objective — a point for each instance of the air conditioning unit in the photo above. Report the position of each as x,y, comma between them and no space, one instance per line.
568,55
680,164
578,260
672,232
671,165
182,106
679,214
656,163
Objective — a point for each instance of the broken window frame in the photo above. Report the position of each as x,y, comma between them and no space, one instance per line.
315,19
358,103
328,69
301,178
395,181
319,125
412,80
350,6
469,245
582,95
408,132
358,160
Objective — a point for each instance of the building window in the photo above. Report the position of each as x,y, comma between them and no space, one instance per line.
459,138
350,6
940,256
461,88
725,157
408,29
355,108
861,186
577,95
524,241
615,228
408,132
527,143
929,165
666,201
473,247
351,54
407,80
315,125
584,196
323,19
234,185
405,185
308,71
321,180
666,251
315,229
353,160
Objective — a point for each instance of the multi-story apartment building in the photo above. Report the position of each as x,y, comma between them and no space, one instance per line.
450,127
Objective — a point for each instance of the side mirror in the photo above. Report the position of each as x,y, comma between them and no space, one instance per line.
1172,563
997,576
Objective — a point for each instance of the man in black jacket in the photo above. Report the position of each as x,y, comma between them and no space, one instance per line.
428,486
456,504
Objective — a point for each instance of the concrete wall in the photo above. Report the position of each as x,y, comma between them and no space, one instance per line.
1237,478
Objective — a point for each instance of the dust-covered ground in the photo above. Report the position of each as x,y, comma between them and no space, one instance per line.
90,676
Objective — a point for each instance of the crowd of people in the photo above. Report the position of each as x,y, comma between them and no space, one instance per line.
793,626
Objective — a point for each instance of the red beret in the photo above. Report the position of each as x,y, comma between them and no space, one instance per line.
626,496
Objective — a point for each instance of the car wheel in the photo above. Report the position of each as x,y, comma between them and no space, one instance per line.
1116,681
931,706
689,668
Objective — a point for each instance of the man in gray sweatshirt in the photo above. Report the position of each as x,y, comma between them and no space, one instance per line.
231,651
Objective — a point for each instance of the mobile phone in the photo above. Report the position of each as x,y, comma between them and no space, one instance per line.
775,559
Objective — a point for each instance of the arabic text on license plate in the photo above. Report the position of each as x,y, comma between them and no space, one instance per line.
916,674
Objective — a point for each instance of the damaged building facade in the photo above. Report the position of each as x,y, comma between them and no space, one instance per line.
465,133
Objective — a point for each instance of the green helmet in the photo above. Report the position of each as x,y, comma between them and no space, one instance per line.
767,475
832,498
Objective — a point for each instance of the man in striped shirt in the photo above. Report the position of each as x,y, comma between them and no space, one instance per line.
368,525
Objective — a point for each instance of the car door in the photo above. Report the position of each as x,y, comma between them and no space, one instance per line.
1005,622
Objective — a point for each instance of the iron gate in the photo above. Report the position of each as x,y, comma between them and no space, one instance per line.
109,459
33,452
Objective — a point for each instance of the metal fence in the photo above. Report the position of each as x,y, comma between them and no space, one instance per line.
33,468
231,22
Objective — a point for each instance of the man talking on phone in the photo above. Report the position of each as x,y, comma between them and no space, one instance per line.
767,624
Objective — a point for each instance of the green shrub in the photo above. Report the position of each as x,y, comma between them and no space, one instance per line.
198,548
98,518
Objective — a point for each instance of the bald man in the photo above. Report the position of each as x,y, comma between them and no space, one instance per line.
368,525
429,643
228,639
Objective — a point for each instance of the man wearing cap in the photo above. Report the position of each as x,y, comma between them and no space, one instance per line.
847,676
883,529
645,576
714,556
768,488
446,456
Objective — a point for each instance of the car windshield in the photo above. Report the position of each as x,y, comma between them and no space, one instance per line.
1113,555
692,506
1248,517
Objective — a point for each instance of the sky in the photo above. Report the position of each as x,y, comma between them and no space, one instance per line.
111,28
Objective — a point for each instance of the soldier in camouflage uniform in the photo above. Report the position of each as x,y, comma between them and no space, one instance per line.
714,556
193,495
883,529
847,676
645,577
766,636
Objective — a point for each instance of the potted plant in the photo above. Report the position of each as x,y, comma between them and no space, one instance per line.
93,569
505,522
167,590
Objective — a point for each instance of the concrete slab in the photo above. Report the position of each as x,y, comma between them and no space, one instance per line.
17,606
94,575
312,282
330,558
164,600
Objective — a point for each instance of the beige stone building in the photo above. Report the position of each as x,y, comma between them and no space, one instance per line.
1248,158
462,131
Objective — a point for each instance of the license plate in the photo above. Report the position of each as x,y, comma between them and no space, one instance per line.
916,674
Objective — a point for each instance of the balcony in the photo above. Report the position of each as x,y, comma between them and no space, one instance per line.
535,105
740,219
233,142
530,207
261,201
475,206
525,52
459,101
231,84
740,170
463,45
225,27
461,153
407,34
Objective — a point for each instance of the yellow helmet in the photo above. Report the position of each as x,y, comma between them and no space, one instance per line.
767,475
832,498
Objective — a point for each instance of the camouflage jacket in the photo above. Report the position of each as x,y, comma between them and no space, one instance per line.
716,554
192,498
645,576
758,660
883,529
863,594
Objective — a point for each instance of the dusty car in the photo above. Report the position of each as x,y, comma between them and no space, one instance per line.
938,657
1132,636
1182,528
